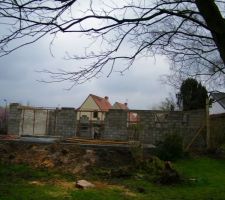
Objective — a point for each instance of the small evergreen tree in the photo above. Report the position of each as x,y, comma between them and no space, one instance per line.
193,94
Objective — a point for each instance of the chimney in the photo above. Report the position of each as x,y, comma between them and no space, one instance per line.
125,104
106,98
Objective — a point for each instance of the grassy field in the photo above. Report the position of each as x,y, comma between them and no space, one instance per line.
204,179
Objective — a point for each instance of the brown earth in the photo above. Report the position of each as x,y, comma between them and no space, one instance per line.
79,160
67,158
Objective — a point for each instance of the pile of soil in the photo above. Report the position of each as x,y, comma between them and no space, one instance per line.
79,160
64,157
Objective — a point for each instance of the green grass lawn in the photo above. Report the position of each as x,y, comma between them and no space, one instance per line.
207,174
204,179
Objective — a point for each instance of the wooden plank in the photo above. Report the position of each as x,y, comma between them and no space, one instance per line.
90,141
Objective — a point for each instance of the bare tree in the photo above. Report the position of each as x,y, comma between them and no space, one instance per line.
190,32
168,104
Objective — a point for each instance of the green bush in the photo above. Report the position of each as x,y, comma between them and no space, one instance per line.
171,148
136,150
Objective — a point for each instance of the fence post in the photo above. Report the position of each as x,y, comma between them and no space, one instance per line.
23,111
208,136
46,125
34,122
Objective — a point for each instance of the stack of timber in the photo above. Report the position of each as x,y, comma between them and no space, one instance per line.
94,141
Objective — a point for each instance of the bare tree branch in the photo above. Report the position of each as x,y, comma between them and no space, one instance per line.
190,32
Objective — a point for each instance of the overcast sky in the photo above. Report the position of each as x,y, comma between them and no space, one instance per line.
139,86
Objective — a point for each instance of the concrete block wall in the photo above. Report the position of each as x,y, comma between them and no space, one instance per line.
154,125
217,129
14,119
40,122
194,121
51,128
184,123
27,123
151,127
66,122
35,121
62,122
115,125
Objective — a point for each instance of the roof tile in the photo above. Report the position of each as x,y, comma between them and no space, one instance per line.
102,103
122,106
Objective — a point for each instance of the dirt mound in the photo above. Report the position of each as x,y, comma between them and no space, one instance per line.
68,158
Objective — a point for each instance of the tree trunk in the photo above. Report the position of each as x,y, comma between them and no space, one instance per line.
215,21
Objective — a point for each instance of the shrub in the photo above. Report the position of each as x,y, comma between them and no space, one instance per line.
137,153
135,131
171,148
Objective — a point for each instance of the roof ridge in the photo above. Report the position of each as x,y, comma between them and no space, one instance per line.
97,96
121,105
102,102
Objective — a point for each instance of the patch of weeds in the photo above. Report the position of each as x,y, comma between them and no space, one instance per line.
122,172
98,173
24,172
168,175
137,152
171,148
111,173
148,169
103,194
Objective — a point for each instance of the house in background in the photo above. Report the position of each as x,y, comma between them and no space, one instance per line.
94,108
218,103
91,115
132,117
122,106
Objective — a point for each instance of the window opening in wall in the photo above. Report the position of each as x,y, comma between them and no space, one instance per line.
161,117
95,114
84,119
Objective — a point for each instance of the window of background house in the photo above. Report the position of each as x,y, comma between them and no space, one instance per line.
95,115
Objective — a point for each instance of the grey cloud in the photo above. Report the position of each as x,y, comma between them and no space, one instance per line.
139,85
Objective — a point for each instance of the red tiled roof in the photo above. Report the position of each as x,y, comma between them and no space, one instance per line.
103,103
122,106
